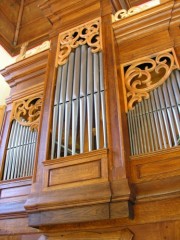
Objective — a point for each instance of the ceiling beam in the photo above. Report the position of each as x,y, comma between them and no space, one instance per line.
18,23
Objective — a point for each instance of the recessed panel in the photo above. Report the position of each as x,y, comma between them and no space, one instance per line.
75,173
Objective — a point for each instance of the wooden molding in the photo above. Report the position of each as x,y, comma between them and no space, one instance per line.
154,166
24,70
69,13
124,234
123,13
144,23
2,112
158,189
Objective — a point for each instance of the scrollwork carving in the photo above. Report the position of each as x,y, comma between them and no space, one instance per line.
86,34
146,74
27,112
123,13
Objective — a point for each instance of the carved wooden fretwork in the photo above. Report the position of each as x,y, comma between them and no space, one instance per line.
123,13
27,112
146,74
89,34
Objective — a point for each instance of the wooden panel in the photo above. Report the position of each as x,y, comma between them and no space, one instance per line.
16,191
75,173
10,208
6,29
156,165
158,189
143,46
38,27
69,215
10,9
159,167
87,167
16,226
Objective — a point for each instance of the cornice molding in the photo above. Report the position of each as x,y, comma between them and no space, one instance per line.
144,23
22,69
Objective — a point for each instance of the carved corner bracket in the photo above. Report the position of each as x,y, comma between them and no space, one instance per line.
27,112
89,33
145,74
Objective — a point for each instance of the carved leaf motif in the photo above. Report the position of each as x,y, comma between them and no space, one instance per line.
86,34
27,112
147,74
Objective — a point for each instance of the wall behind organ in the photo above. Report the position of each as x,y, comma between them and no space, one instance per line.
5,60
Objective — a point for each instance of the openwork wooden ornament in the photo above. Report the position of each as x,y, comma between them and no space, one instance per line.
123,13
146,74
85,34
27,112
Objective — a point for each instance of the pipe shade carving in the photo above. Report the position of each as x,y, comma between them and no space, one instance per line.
146,74
123,13
27,112
85,34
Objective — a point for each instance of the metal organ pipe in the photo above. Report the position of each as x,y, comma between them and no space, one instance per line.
20,152
81,105
154,124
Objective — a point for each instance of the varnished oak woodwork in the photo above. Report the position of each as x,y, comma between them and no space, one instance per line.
124,234
2,112
149,81
26,79
157,165
116,191
28,107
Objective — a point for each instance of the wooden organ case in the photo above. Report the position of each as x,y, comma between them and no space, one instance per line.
90,142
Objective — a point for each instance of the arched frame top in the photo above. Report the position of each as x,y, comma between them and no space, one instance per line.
27,111
145,74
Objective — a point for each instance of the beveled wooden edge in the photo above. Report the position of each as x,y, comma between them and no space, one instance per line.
110,234
158,189
30,91
21,64
15,183
93,153
152,56
157,153
22,214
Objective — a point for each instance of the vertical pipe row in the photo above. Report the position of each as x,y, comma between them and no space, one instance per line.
20,153
81,105
154,124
